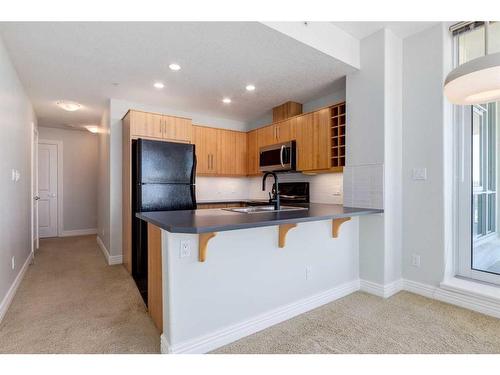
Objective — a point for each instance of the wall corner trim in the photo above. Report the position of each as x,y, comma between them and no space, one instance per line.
7,300
110,259
384,291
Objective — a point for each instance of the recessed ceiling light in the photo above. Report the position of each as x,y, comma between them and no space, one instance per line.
159,85
69,106
250,87
92,128
226,100
174,67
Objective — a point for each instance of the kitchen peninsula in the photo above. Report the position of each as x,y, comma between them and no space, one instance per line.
222,275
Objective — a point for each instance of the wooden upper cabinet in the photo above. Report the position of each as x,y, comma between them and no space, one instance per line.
253,152
205,141
313,141
241,154
177,128
266,136
153,125
220,152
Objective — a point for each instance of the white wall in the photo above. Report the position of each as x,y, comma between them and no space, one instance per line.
16,118
80,157
374,136
336,95
424,58
365,144
104,188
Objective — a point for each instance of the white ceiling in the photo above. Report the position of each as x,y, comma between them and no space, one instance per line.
83,62
362,29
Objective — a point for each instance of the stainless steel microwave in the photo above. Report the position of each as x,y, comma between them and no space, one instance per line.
279,157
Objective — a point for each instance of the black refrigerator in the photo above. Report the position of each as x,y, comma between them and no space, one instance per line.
163,179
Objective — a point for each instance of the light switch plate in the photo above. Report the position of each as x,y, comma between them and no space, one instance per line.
420,173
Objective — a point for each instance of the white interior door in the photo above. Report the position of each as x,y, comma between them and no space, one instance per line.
34,187
47,190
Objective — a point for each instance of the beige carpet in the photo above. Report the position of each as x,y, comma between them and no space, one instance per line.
71,301
362,323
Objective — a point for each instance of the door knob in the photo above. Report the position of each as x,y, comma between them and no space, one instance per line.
37,198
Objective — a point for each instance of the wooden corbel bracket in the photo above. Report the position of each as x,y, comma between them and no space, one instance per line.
203,243
283,230
336,223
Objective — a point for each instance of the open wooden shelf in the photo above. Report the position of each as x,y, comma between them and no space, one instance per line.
338,134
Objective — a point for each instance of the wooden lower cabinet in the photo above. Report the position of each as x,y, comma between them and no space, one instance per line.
155,277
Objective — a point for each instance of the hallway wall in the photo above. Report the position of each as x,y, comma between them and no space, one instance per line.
16,119
80,155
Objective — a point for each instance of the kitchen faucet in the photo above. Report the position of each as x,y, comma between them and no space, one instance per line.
276,196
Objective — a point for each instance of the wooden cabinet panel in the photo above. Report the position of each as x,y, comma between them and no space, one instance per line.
155,287
283,131
266,136
205,140
126,194
226,156
321,139
304,129
177,128
313,141
139,126
253,153
153,125
220,152
286,110
241,154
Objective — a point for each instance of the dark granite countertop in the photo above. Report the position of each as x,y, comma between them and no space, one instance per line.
218,220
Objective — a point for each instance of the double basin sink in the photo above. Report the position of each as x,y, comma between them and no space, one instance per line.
260,209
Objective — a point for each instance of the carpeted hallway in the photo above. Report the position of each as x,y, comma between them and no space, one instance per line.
70,301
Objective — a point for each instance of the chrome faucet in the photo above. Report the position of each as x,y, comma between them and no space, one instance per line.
275,198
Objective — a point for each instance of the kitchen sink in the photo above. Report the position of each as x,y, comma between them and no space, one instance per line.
259,209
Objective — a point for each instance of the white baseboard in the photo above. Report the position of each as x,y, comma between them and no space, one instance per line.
384,291
111,259
472,301
7,300
78,232
206,343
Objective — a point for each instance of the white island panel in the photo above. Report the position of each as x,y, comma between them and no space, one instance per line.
248,283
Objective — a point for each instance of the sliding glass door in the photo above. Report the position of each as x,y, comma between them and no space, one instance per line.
477,175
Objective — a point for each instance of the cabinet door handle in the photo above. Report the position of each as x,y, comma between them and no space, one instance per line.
277,133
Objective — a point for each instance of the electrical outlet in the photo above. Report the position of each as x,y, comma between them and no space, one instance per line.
308,272
13,262
185,250
420,173
415,260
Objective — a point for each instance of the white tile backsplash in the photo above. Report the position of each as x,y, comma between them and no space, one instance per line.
364,186
324,188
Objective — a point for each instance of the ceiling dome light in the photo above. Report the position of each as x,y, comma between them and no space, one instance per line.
159,85
69,106
250,87
226,100
174,67
92,128
476,81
